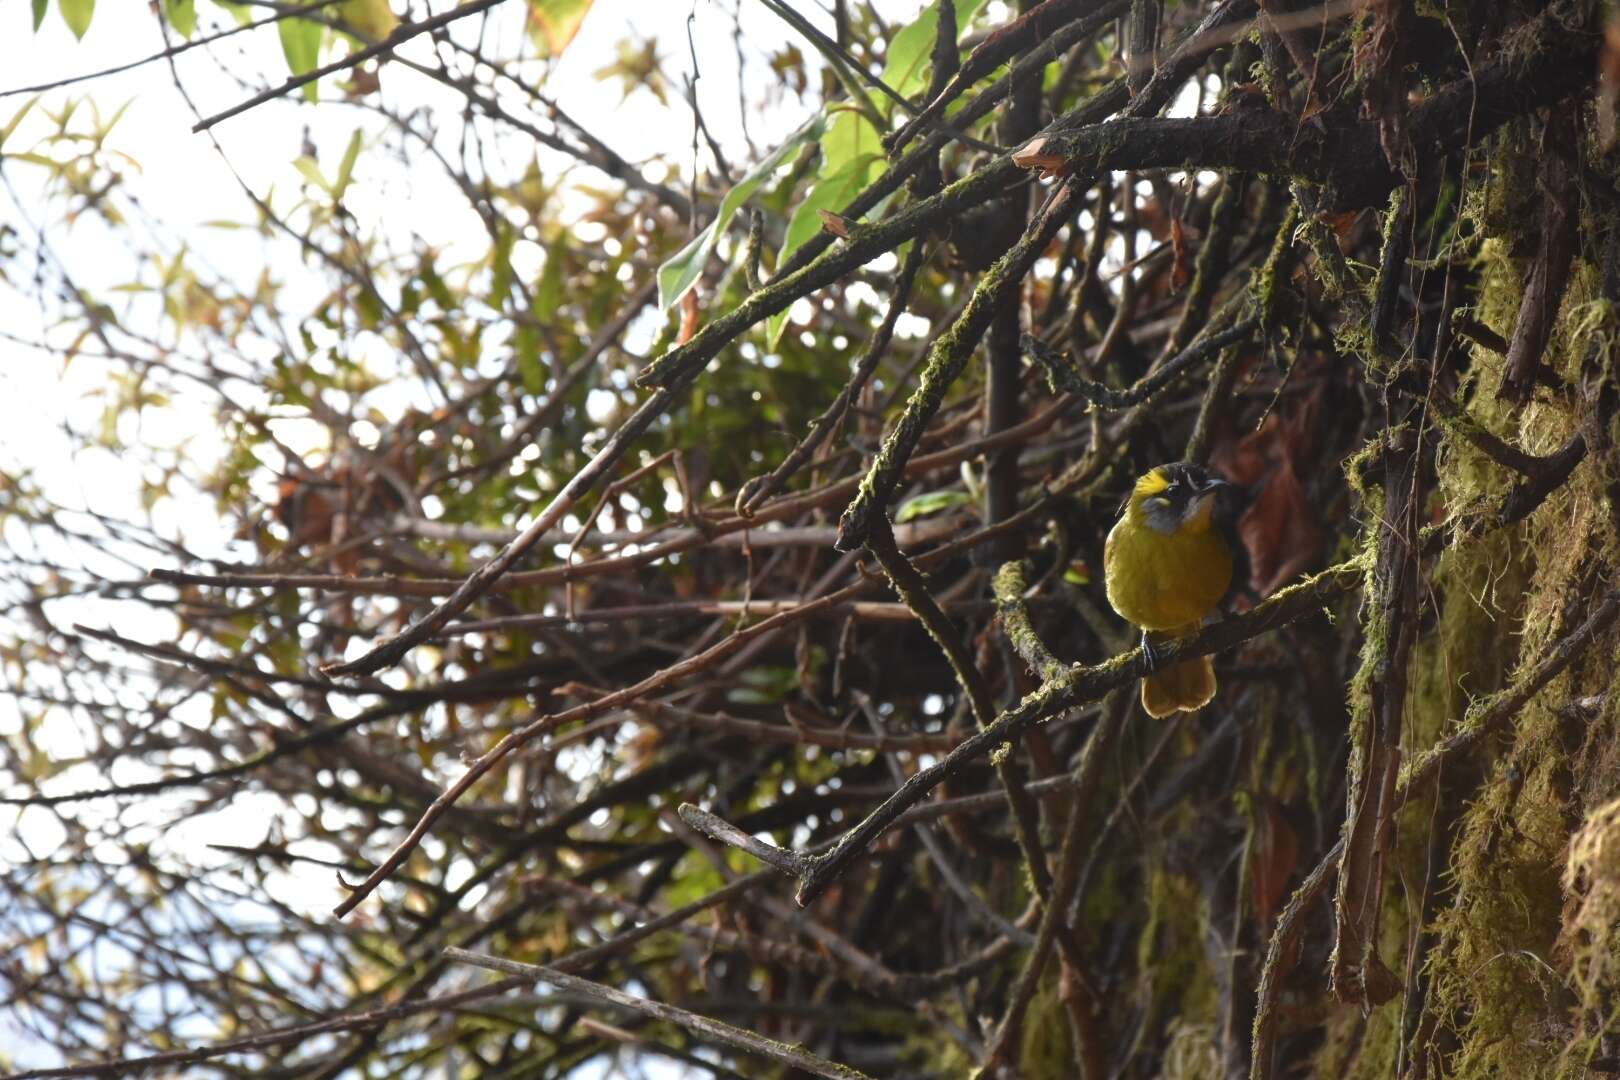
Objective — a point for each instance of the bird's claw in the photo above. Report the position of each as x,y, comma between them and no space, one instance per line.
1150,656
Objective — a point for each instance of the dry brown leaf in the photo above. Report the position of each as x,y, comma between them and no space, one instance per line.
1279,529
1179,273
1273,857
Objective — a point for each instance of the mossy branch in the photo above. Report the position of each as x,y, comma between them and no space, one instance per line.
1346,158
945,362
1010,584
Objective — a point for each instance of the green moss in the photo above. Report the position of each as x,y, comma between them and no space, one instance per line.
1357,469
1010,583
1509,197
1356,339
931,1055
1175,976
1495,985
1360,1048
1263,281
1524,968
1046,1048
1375,634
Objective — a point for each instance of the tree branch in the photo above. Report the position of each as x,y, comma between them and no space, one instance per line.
792,1056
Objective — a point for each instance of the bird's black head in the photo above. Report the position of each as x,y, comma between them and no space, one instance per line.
1170,498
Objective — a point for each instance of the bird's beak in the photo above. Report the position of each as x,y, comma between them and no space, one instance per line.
1204,503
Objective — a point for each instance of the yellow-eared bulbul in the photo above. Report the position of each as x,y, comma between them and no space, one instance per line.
1166,565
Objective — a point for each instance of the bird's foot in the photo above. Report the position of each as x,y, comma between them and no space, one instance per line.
1150,655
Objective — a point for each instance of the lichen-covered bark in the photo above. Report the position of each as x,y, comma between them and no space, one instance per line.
1512,975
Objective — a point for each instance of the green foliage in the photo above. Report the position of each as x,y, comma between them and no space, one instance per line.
906,67
851,149
931,503
301,45
76,13
553,23
182,15
681,271
851,159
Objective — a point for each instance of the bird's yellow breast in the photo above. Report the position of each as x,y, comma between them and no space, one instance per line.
1165,581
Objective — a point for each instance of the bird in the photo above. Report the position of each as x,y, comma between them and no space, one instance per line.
1166,565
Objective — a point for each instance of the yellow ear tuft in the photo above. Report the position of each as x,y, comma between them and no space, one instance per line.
1153,482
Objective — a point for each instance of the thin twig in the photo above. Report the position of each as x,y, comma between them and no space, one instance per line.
1064,378
791,1056
253,1044
401,34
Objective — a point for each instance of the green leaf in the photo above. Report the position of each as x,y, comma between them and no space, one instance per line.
849,137
931,503
76,13
694,877
311,172
301,43
851,158
553,23
370,308
764,686
526,342
240,12
1078,573
500,262
346,166
774,327
17,118
117,116
906,69
681,271
831,193
548,294
182,15
373,18
39,13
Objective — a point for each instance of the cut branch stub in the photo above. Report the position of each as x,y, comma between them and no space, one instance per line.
789,862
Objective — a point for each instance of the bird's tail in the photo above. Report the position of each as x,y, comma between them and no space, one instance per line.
1180,687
